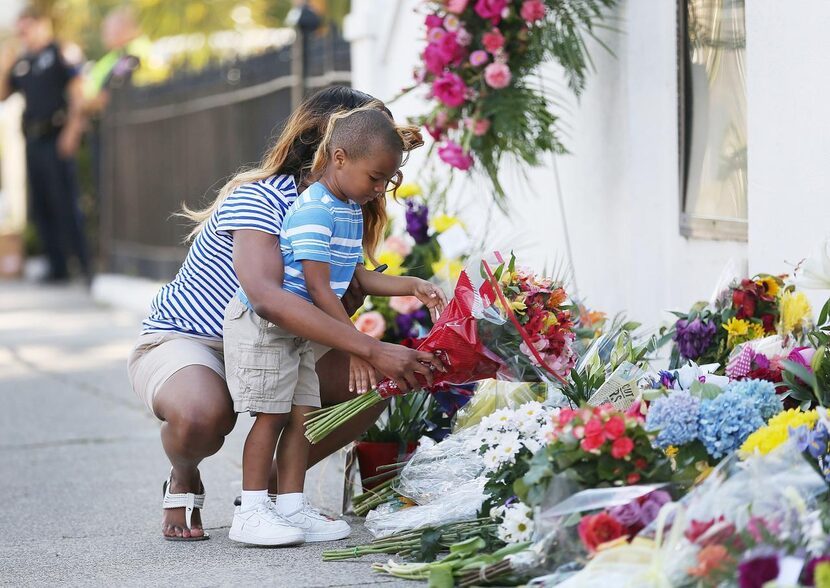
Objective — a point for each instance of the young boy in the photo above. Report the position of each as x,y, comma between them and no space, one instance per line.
270,372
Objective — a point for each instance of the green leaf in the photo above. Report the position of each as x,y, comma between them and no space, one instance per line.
441,575
801,372
704,391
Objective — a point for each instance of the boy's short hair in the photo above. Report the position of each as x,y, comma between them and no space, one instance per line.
32,12
364,130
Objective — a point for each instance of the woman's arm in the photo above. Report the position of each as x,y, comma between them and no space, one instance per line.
258,264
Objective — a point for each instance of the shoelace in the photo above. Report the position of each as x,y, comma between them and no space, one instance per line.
309,510
270,512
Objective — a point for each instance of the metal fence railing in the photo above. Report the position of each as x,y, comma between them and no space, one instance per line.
177,142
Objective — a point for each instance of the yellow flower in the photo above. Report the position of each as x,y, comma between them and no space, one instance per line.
671,451
442,222
771,284
550,320
777,431
756,331
447,269
408,190
822,575
795,309
736,329
518,306
394,260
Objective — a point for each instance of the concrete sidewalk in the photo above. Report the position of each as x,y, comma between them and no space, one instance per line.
81,466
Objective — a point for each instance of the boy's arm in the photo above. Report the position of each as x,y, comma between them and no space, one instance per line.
379,284
317,275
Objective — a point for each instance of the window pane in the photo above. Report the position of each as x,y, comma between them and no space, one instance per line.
713,90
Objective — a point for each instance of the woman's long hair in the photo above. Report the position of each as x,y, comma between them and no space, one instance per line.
293,152
374,212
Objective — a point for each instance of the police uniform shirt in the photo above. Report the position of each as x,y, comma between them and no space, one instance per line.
42,78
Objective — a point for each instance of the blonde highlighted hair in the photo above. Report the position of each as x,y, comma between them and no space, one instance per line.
294,150
404,137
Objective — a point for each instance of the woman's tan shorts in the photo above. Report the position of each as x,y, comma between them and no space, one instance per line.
157,356
268,368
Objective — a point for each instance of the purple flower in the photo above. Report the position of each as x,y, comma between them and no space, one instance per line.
808,575
754,573
405,325
694,338
628,514
667,379
417,221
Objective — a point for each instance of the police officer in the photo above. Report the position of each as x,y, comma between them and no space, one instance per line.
53,126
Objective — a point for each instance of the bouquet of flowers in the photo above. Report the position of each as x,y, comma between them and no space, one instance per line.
477,63
595,446
512,324
747,310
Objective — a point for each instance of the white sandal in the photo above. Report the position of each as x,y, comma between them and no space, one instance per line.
188,501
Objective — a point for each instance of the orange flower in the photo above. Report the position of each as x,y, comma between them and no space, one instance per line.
556,298
709,559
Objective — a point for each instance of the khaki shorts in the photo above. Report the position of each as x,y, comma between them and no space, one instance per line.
157,356
268,369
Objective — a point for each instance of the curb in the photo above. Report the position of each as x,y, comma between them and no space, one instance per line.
125,292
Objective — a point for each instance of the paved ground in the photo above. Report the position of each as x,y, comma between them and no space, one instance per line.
81,466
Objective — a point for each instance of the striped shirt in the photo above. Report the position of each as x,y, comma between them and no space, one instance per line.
319,227
194,302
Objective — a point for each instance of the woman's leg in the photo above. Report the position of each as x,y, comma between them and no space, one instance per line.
333,372
197,411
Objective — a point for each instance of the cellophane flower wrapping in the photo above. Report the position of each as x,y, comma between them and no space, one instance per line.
477,339
492,395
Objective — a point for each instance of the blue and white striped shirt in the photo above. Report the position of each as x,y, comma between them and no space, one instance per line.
319,227
194,302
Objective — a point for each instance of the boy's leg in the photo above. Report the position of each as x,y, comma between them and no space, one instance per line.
292,453
259,450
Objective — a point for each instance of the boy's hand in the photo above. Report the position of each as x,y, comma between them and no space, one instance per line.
362,375
431,295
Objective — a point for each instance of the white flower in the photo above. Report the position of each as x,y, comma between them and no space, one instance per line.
503,418
517,524
533,444
509,446
814,272
492,459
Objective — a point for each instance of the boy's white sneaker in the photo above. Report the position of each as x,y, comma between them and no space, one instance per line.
318,527
263,525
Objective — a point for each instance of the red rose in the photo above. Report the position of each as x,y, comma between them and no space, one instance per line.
493,41
615,427
622,447
744,303
592,442
769,323
594,530
632,478
593,428
640,463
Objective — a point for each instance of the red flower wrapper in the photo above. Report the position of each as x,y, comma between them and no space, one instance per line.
454,339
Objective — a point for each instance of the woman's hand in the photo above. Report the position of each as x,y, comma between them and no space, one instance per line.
403,364
431,295
362,376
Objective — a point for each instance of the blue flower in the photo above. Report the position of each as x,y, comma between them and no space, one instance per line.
675,417
762,393
818,441
726,421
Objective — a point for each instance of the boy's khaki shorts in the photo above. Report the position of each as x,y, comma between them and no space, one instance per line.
267,368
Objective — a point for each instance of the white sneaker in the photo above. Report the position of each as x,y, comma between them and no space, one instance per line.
263,525
318,527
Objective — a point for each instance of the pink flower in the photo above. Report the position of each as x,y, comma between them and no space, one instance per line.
435,35
622,447
456,6
397,245
433,21
464,37
615,427
434,59
453,154
449,89
371,323
533,10
497,75
493,41
491,9
405,304
479,127
479,57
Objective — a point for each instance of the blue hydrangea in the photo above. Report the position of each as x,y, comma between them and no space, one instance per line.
762,394
726,421
675,417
